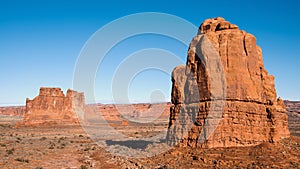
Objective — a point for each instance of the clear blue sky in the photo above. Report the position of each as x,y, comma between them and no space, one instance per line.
41,40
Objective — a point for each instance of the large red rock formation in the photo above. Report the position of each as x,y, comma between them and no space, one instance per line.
51,106
224,96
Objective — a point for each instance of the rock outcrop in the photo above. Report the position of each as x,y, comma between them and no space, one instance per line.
224,97
51,106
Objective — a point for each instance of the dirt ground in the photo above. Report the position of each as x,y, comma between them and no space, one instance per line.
70,147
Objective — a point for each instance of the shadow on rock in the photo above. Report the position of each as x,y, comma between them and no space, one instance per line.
135,144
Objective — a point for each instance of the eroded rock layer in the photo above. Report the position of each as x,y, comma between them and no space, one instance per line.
224,97
51,106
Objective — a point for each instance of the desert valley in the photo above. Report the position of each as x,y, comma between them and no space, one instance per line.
224,113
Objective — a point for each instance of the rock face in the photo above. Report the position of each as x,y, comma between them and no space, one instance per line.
224,97
51,106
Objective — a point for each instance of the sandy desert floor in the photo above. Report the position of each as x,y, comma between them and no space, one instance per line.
70,147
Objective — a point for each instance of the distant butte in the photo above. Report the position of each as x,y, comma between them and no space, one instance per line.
51,106
223,96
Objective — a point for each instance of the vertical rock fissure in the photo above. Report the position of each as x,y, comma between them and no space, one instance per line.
244,43
227,56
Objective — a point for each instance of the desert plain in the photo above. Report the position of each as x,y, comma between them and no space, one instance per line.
68,146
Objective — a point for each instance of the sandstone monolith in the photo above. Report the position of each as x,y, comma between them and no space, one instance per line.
223,96
51,106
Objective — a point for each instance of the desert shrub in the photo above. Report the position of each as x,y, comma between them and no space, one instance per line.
10,151
83,167
22,160
86,149
61,139
52,145
62,146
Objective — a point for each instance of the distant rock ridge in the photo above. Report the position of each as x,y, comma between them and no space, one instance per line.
223,96
13,111
293,111
51,106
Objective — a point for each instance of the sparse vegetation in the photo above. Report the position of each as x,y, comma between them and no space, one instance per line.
74,150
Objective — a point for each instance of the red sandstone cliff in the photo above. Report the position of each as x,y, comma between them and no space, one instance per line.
51,106
224,96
